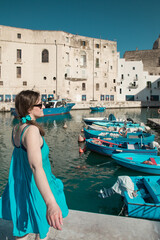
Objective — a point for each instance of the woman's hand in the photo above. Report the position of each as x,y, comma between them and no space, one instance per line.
54,216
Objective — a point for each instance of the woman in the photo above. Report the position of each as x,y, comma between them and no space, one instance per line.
33,198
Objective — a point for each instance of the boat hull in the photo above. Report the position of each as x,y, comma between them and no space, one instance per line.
131,137
136,163
58,111
109,151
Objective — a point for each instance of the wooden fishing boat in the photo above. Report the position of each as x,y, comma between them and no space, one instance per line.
141,163
146,203
52,108
129,137
111,118
109,148
98,108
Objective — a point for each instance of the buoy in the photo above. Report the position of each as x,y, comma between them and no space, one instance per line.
80,150
65,125
81,139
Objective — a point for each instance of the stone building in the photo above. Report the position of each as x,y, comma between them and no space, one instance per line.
150,58
58,64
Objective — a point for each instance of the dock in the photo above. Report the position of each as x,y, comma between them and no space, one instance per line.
154,123
92,226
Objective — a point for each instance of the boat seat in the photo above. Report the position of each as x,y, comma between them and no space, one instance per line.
154,189
131,146
136,199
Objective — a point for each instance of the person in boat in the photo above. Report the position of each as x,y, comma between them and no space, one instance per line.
33,198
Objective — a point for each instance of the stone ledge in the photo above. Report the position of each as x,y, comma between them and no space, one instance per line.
91,226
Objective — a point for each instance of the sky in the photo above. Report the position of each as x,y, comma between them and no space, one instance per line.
133,24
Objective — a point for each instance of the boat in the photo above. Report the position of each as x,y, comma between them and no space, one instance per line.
146,203
129,137
108,148
57,107
98,108
111,118
52,108
117,129
142,163
124,124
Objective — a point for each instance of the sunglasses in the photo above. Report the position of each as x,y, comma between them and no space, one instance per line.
38,105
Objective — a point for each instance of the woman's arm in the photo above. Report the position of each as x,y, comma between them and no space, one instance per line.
32,143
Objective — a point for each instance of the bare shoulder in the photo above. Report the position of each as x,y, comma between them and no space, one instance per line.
32,132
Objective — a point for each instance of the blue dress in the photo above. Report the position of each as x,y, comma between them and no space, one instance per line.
21,201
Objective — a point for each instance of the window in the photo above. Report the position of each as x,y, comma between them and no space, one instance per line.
114,80
97,86
120,90
45,56
13,97
83,97
83,86
1,98
19,55
122,76
107,97
19,35
105,85
18,72
0,53
83,59
45,78
7,98
129,97
97,45
83,43
50,96
67,39
102,98
136,77
1,83
158,84
111,97
67,57
44,97
133,68
111,67
114,88
24,83
121,65
149,85
97,62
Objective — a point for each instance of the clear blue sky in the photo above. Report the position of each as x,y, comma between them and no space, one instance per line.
131,23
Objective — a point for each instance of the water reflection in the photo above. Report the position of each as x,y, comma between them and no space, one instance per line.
81,184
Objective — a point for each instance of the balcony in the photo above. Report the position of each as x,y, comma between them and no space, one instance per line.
133,86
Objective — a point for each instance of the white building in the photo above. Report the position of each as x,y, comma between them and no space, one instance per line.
57,64
135,84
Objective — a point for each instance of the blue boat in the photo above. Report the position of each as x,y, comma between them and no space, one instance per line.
119,124
111,118
57,107
98,109
109,148
146,203
130,137
141,163
52,108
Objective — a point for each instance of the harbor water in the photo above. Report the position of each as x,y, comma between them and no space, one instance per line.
83,175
